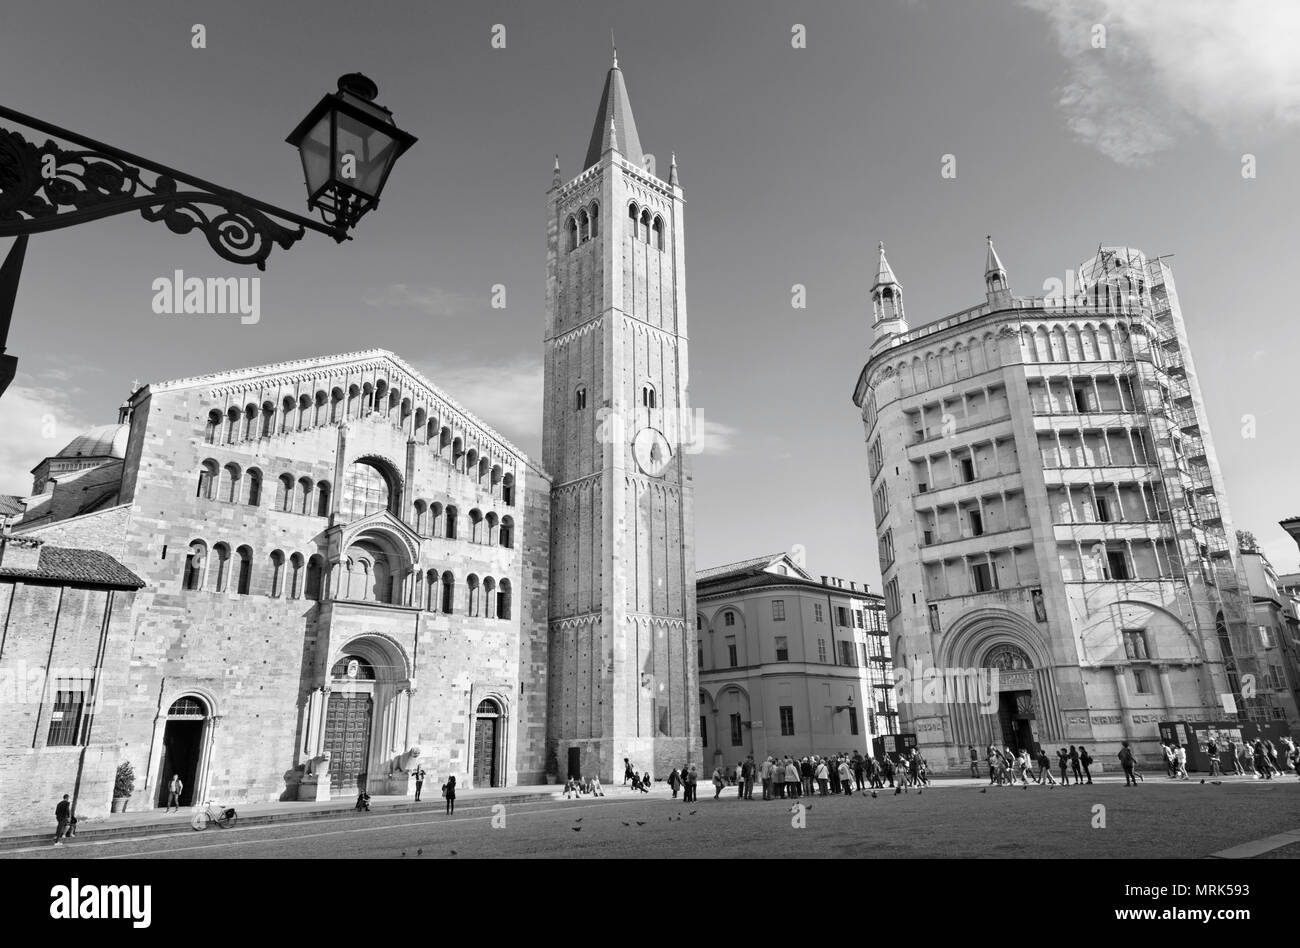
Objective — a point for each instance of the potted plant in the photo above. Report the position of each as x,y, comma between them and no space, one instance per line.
123,786
552,764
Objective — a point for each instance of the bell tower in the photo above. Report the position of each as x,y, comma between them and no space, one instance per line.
617,438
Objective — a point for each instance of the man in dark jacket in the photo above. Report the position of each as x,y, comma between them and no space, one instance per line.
62,813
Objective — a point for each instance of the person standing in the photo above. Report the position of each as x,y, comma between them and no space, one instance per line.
806,775
765,774
846,778
858,768
174,788
1232,757
674,781
1085,761
449,791
62,814
792,781
1063,758
718,782
1074,765
747,788
419,782
823,776
974,761
1213,750
1126,761
1180,761
1171,759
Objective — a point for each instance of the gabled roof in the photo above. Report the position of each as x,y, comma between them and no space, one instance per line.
615,109
758,564
76,568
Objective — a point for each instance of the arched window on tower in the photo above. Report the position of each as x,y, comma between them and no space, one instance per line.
489,598
244,570
221,553
214,426
595,216
232,425
508,490
634,215
584,227
250,422
648,396
253,489
336,405
580,398
645,225
268,419
507,533
448,592
195,565
207,480
287,406
315,572
323,499
229,489
503,599
285,500
571,228
304,495
277,574
476,526
659,232
472,601
304,412
450,517
295,576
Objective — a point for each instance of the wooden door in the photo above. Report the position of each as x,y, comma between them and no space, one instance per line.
347,738
485,752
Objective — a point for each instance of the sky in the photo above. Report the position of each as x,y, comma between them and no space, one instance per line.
795,161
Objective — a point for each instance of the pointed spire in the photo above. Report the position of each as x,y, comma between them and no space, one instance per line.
992,264
884,272
614,122
555,176
613,45
995,277
672,171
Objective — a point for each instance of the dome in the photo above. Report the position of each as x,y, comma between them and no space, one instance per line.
105,441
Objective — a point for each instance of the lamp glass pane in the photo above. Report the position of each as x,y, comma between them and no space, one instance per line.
315,151
374,149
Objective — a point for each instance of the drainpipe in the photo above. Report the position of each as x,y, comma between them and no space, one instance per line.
94,696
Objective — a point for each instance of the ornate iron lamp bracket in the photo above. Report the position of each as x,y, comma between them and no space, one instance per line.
49,187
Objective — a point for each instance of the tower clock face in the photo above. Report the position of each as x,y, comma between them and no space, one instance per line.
652,451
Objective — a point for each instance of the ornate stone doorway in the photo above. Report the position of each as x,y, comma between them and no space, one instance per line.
183,744
348,720
487,733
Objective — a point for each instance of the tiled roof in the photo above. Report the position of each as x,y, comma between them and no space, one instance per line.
77,568
11,504
757,562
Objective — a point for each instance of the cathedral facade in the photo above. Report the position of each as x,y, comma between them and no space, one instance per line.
316,576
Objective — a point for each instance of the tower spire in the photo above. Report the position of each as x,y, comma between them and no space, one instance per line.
613,45
555,175
614,121
995,276
672,171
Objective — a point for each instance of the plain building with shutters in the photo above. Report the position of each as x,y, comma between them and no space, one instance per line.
789,663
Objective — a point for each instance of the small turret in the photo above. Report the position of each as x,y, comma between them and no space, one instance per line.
887,305
995,278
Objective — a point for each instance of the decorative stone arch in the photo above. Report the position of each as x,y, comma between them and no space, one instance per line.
158,769
502,742
970,637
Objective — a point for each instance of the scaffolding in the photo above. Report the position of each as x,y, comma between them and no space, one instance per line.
1180,464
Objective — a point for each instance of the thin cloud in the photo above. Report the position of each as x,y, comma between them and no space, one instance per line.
506,395
713,437
1171,67
37,422
427,298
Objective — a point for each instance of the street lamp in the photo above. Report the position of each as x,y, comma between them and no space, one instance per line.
348,144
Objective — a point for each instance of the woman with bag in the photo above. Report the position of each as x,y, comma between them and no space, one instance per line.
449,791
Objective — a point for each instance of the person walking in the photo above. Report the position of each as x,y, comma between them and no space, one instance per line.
419,782
174,788
674,781
974,761
1180,761
1261,762
1126,761
1045,767
1171,759
628,772
718,782
62,814
1085,761
449,791
846,777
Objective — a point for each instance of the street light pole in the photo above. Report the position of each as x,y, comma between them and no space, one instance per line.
348,144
